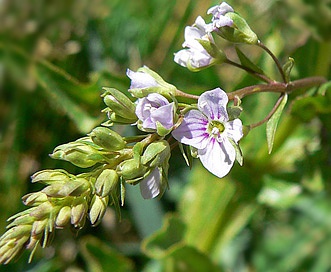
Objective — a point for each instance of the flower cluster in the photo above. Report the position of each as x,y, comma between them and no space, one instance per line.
209,127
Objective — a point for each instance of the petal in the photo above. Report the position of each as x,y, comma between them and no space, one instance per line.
213,104
140,80
164,115
193,130
234,130
150,186
218,158
157,100
182,57
200,59
222,21
225,8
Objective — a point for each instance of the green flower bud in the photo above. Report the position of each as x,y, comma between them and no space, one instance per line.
155,153
34,199
39,226
97,209
51,176
75,187
78,212
212,49
63,217
131,170
107,138
240,32
42,211
120,104
106,182
80,154
146,81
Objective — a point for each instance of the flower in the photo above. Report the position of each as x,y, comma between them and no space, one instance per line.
196,56
211,133
146,81
219,19
155,110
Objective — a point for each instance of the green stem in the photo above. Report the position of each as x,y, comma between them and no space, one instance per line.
250,71
278,64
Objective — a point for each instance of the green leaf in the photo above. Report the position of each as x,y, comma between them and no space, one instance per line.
273,122
59,99
279,193
161,242
245,61
100,257
287,68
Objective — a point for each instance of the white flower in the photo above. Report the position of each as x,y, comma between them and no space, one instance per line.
195,56
141,80
219,19
211,133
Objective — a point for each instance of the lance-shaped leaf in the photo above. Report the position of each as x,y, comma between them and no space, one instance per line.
273,122
245,61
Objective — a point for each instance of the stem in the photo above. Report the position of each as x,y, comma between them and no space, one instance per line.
182,94
279,66
278,87
250,71
270,114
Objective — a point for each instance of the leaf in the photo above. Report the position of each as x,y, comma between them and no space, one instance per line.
287,68
279,193
100,257
59,99
247,62
273,122
158,244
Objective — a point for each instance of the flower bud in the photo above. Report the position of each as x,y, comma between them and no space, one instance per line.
107,138
38,226
34,199
63,217
51,176
97,209
146,81
120,104
155,113
131,170
42,210
240,32
156,153
78,212
78,153
106,182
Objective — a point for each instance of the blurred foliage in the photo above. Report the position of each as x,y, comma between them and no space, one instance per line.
272,214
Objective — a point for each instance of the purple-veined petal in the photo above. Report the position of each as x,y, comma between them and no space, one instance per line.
140,80
193,130
218,158
213,104
234,130
164,115
150,186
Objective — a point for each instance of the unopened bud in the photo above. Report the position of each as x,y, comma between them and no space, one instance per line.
132,170
146,81
120,104
79,154
63,217
34,199
156,153
42,211
240,32
106,182
107,138
78,212
51,176
38,227
97,209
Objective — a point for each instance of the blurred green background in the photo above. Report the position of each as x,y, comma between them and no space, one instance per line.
272,214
